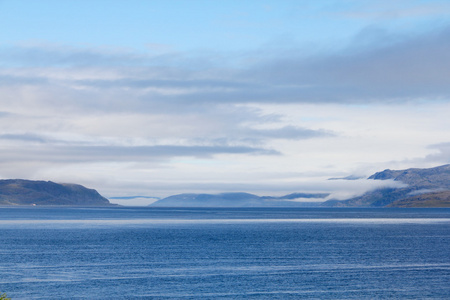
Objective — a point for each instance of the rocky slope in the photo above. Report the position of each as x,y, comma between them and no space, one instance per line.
28,192
436,199
425,188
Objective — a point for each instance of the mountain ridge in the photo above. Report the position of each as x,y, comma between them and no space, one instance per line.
237,199
427,187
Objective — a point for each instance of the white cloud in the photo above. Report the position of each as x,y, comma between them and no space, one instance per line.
129,123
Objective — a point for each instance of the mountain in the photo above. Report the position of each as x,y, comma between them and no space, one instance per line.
236,200
432,178
28,192
424,188
434,199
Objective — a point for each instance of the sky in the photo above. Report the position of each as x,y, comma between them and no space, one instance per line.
156,98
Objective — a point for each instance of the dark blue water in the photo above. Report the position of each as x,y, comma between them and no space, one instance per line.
146,253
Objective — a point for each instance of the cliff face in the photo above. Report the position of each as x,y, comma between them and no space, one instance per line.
28,192
425,188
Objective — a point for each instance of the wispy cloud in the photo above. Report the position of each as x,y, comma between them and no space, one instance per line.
26,137
442,153
287,132
396,9
408,69
404,69
45,54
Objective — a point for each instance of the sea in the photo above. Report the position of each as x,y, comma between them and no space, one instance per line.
224,253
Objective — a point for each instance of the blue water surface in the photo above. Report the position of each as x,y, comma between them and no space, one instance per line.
225,253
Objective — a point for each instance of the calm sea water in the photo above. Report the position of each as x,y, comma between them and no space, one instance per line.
270,253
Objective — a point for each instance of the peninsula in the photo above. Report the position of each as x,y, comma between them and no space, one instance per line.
29,192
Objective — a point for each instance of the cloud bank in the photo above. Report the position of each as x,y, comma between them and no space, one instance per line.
63,106
404,69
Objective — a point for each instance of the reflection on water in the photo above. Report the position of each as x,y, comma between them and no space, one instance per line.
124,222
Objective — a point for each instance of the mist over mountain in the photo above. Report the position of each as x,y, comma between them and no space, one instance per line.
422,188
239,200
28,192
425,188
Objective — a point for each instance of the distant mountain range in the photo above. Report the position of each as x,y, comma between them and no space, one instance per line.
239,200
425,188
28,192
422,188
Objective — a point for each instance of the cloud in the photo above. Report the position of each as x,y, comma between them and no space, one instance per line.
424,191
397,10
409,68
290,132
95,153
44,54
8,80
27,137
346,189
71,112
339,190
380,67
442,154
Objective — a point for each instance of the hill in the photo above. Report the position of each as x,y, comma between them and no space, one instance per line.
237,200
28,192
425,188
435,199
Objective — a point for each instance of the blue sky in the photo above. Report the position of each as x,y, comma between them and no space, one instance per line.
177,25
155,98
210,25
